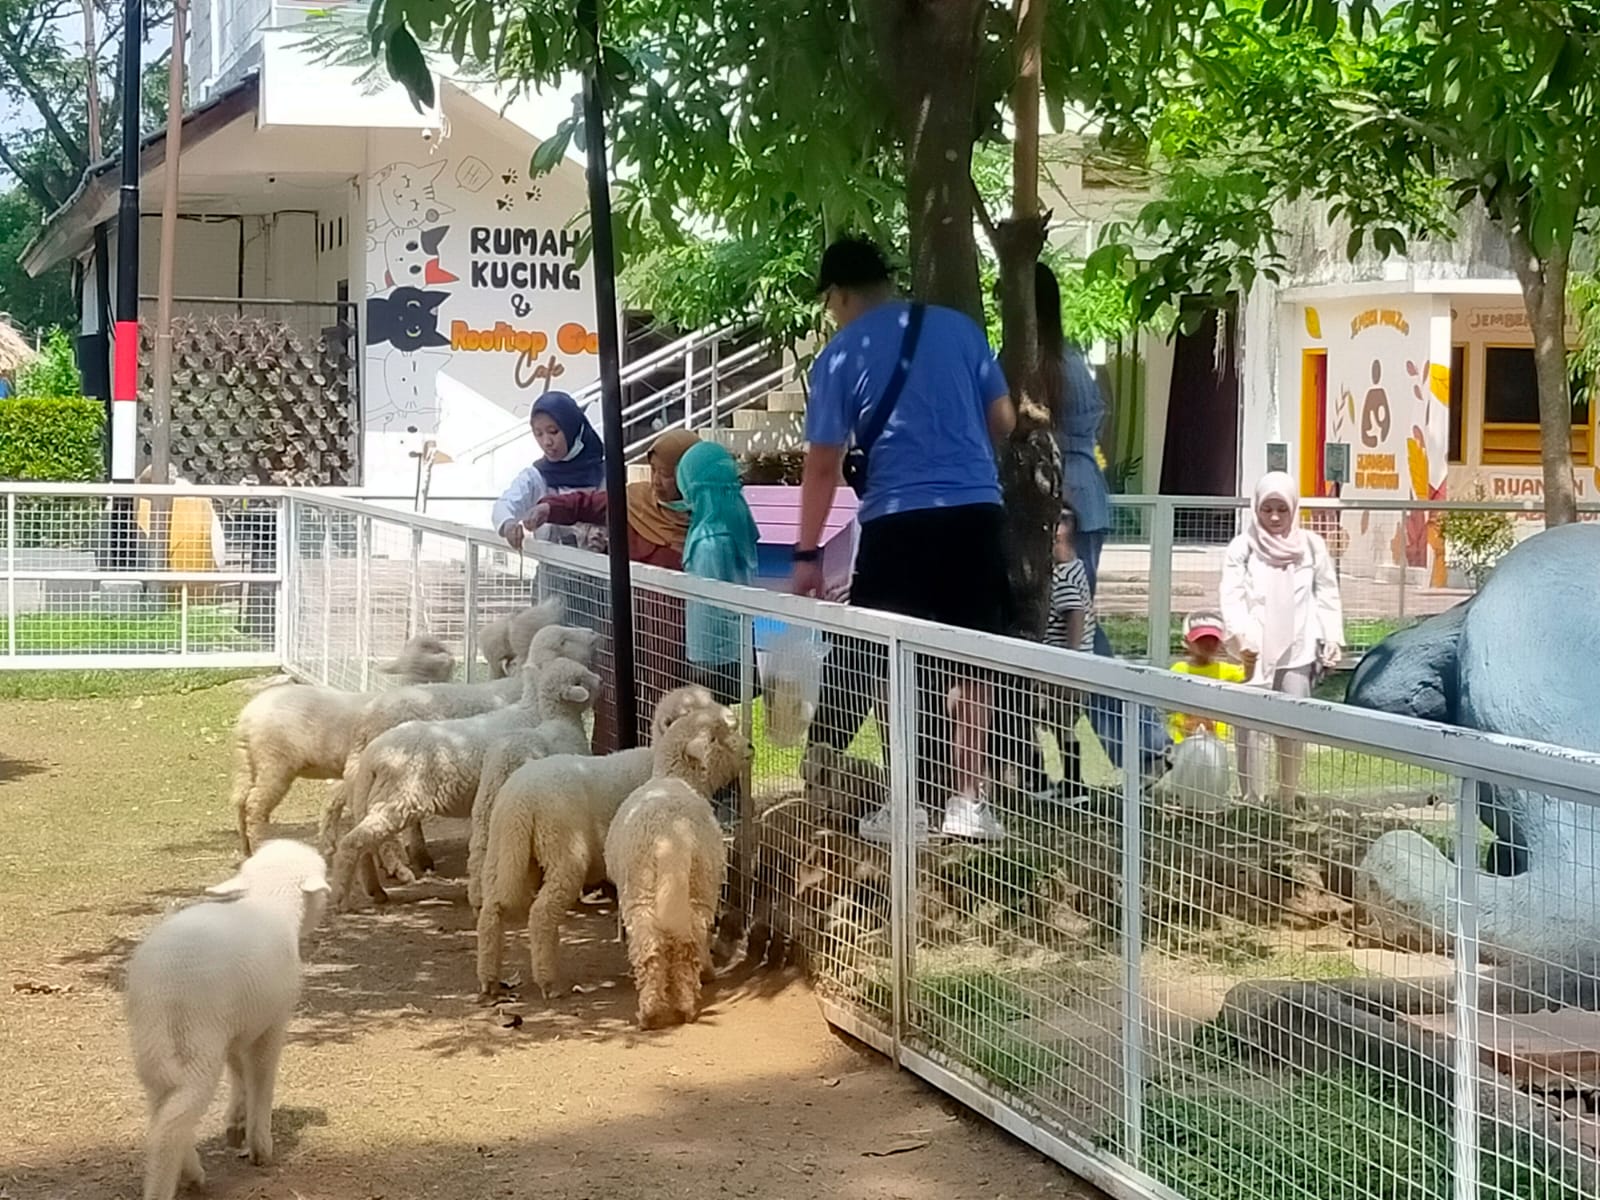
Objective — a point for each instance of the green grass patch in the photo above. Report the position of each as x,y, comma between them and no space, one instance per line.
212,627
112,685
1351,1136
970,1015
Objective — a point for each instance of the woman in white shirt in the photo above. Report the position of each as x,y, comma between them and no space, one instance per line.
1280,602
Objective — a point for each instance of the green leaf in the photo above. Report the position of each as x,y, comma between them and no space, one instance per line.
482,29
408,66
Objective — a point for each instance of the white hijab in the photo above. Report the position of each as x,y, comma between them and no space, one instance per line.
1280,554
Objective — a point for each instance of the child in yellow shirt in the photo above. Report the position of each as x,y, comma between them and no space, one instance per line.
1202,639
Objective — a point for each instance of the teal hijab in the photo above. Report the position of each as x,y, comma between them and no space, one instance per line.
721,542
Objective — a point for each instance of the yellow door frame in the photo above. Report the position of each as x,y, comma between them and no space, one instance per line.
1312,431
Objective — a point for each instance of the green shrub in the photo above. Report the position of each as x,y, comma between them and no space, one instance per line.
54,374
1475,540
53,439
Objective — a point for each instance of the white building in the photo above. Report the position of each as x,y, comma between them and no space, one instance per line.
353,278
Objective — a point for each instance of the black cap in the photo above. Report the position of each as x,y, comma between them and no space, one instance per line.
854,263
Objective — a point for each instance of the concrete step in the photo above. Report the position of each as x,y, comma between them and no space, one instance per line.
789,400
756,441
776,422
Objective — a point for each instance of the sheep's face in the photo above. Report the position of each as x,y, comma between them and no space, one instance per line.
562,641
713,749
565,684
423,659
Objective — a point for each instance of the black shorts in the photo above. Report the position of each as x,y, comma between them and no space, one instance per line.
937,564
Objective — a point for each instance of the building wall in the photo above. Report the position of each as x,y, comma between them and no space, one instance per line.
476,303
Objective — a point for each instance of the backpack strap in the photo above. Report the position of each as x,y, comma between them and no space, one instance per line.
884,409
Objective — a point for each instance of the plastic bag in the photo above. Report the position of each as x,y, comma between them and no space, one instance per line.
1201,778
792,682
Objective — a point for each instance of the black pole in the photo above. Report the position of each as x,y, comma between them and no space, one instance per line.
605,302
124,388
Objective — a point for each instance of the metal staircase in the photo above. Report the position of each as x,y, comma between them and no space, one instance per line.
727,383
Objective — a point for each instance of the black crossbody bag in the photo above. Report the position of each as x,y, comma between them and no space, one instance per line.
855,459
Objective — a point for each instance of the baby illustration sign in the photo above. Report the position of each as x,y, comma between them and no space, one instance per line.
462,245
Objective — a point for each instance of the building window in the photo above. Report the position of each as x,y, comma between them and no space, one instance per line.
1458,400
1511,409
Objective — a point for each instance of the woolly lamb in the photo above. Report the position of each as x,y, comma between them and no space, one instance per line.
504,641
297,731
665,854
546,841
434,702
512,752
213,987
431,768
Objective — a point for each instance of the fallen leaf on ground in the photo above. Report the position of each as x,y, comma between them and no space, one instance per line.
898,1146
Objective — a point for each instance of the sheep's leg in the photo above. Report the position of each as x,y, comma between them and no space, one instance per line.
391,856
356,847
562,887
683,979
330,827
651,978
272,784
260,1078
236,1101
417,851
170,1152
192,1172
244,781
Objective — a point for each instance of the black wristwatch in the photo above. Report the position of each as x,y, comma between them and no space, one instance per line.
807,556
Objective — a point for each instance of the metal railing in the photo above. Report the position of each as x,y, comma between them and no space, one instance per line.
1285,977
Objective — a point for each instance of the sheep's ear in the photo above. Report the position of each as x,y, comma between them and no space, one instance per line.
699,749
315,886
576,694
228,887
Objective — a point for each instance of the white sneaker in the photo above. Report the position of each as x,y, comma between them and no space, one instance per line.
966,817
879,826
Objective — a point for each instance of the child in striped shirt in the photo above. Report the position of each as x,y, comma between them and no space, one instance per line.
1071,626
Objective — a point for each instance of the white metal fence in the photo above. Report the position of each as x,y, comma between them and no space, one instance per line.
108,575
1289,978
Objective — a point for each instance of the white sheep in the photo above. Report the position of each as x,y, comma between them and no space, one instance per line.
431,768
664,852
504,759
298,731
434,702
212,988
504,641
546,840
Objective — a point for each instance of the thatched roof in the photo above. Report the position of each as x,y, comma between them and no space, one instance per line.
15,352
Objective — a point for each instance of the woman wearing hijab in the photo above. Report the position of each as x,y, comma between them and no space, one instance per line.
721,544
658,515
573,458
1285,622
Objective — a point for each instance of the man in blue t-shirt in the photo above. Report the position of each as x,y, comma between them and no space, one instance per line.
931,521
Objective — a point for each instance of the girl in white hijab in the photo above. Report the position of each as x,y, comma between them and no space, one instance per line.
1280,603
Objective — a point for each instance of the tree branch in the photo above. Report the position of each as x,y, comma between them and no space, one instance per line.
41,101
33,180
985,219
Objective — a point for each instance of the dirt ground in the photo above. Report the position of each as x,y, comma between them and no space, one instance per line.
396,1084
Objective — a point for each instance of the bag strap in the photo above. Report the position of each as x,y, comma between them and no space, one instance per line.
881,412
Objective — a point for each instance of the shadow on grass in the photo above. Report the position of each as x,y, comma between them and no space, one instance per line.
12,769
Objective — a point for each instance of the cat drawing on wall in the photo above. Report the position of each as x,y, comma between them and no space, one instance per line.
408,320
411,256
409,196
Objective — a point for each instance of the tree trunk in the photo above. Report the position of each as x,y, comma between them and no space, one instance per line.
1030,462
929,53
1544,295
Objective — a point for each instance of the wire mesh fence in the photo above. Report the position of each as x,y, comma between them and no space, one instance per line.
101,575
1191,939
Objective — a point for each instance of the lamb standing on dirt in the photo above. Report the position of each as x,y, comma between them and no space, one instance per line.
546,841
434,702
560,731
298,731
504,641
213,987
664,852
431,768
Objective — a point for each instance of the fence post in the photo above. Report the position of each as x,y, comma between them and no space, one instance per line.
1132,930
327,590
469,605
1162,520
11,574
183,620
284,590
1465,1110
1404,566
688,387
745,840
414,600
902,749
716,386
364,599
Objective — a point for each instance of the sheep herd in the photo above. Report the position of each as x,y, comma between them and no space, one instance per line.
211,990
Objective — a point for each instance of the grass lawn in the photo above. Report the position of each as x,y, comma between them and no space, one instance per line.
213,627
